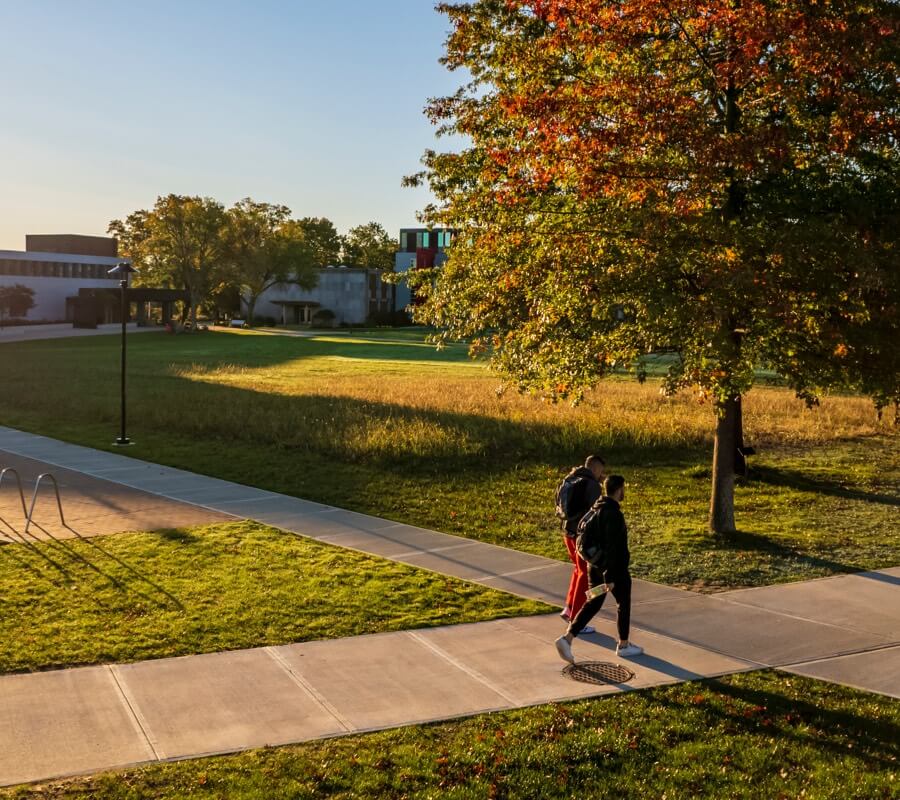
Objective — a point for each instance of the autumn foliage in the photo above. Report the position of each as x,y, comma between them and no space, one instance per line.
714,179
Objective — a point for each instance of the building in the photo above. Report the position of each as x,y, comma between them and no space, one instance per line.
420,248
56,268
353,295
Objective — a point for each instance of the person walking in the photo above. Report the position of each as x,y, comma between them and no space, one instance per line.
579,490
603,543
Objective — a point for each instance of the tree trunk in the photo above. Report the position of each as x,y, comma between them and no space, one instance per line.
251,306
195,301
740,463
721,504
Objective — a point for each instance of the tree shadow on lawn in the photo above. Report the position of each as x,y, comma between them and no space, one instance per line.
775,476
770,711
746,542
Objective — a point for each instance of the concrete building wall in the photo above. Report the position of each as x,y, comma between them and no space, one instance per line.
50,293
403,261
54,277
345,291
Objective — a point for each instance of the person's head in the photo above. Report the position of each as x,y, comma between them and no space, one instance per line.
614,487
597,466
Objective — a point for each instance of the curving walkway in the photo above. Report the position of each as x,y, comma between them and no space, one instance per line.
65,722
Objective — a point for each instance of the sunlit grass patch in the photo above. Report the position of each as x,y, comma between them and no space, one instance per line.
131,597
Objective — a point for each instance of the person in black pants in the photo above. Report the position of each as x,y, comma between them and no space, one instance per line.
611,575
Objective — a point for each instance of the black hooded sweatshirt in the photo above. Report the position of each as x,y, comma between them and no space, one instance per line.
592,493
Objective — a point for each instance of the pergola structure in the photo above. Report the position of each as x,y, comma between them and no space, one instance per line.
95,306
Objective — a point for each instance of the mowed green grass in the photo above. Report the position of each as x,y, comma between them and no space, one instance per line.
137,596
753,735
381,422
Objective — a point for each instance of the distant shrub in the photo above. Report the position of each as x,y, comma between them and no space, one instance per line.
393,319
324,317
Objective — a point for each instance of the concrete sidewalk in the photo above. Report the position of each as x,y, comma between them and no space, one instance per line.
61,723
64,330
845,629
91,507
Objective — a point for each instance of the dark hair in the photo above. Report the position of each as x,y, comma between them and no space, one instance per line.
591,460
612,485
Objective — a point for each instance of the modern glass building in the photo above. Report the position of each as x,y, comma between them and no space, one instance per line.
420,248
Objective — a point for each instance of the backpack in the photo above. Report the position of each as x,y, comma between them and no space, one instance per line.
570,497
590,541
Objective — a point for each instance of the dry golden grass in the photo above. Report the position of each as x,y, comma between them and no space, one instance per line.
616,410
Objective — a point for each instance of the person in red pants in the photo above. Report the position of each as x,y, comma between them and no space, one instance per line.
605,543
572,503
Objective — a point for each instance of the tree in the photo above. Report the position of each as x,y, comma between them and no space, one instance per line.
179,242
716,180
369,246
264,249
321,235
15,301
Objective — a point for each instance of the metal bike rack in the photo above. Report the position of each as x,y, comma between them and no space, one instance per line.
18,482
37,485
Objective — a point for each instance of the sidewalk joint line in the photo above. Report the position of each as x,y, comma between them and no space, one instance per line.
470,671
310,690
849,654
135,713
410,553
492,576
798,617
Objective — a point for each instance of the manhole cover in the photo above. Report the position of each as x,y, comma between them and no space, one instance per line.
598,672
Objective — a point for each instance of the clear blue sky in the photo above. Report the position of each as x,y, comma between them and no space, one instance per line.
318,105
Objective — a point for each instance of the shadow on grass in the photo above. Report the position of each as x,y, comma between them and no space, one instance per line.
797,480
745,542
831,728
61,547
177,535
90,540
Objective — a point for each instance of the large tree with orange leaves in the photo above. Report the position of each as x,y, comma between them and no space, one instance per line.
714,179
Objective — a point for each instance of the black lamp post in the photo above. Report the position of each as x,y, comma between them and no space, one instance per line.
121,271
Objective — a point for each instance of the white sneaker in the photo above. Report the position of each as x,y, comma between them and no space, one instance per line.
588,629
565,650
629,651
566,614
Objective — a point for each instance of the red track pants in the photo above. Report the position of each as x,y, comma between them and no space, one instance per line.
578,585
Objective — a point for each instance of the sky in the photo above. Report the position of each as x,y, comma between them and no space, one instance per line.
317,105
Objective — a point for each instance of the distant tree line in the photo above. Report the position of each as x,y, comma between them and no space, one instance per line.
220,254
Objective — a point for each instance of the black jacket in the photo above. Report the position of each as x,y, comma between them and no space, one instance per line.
592,493
614,533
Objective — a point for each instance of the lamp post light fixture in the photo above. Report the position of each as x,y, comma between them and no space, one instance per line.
121,271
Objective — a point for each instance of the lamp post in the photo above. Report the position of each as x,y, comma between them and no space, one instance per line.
121,271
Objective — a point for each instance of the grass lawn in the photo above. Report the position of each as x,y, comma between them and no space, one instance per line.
137,596
754,735
381,422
